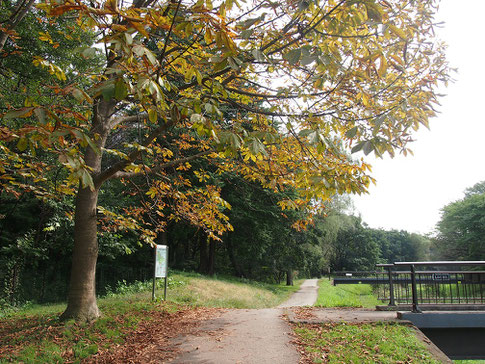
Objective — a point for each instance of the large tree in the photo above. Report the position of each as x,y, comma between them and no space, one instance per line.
276,91
461,230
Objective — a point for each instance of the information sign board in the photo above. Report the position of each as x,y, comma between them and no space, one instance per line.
161,259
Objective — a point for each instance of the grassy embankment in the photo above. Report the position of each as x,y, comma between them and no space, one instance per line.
358,343
345,295
34,334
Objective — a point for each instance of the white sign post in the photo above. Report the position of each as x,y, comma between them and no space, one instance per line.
160,270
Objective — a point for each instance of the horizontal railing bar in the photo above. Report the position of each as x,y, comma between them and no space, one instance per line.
467,262
441,271
395,280
357,272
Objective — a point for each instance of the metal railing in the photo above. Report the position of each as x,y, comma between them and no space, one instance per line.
451,285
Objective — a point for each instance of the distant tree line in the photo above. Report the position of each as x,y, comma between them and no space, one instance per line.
36,242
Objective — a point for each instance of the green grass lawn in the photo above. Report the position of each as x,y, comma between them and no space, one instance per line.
345,295
229,292
33,334
183,288
361,343
357,343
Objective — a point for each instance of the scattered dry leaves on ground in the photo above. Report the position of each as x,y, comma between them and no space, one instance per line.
132,337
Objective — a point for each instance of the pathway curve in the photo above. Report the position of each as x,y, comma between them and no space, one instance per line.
246,336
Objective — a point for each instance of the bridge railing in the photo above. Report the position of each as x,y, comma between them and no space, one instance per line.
441,283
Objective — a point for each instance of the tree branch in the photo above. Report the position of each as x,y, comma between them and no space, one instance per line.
19,13
126,119
127,175
120,165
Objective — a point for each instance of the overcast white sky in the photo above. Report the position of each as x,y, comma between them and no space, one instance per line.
411,191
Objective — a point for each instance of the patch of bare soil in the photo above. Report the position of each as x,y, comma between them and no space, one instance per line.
304,313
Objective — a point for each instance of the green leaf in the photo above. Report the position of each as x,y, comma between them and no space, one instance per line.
352,132
245,34
128,38
232,63
89,53
121,90
306,60
368,147
152,115
221,65
378,121
374,12
293,56
77,94
258,55
256,147
22,144
248,23
151,57
18,113
358,147
90,142
139,50
40,114
234,141
398,32
87,180
305,132
108,91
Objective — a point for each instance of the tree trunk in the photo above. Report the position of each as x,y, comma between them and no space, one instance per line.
212,257
14,281
186,251
289,277
232,257
204,260
82,304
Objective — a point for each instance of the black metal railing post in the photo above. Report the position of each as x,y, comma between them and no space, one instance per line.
414,289
392,302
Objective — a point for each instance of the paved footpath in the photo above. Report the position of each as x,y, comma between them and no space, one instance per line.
246,336
306,295
263,337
